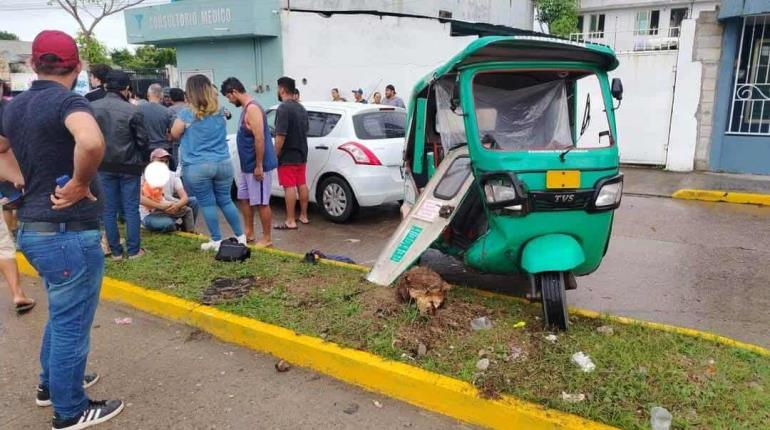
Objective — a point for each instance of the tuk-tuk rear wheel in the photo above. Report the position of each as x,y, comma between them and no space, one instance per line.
554,298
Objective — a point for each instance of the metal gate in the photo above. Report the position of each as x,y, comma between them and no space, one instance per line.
143,78
750,107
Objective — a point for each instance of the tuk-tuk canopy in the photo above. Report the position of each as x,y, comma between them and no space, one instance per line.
525,48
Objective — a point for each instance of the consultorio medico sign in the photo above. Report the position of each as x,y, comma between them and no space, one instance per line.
213,16
183,20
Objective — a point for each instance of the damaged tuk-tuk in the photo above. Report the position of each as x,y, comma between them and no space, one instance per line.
511,164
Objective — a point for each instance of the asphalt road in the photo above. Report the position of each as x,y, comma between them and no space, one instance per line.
175,377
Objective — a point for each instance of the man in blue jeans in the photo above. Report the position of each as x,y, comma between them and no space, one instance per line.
121,170
52,132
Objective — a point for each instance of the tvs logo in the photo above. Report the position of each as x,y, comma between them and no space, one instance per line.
564,198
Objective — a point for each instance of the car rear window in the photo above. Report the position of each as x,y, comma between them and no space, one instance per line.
380,125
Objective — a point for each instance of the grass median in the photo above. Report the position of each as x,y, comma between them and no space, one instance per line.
705,385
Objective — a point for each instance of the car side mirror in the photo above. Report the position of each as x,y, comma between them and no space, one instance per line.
617,89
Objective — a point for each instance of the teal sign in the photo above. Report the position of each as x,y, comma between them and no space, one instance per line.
405,244
197,19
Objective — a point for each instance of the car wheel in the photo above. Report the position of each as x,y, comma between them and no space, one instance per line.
336,199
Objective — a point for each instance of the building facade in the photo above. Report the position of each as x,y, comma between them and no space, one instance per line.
695,76
323,44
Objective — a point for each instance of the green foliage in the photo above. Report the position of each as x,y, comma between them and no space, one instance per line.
7,35
91,49
145,57
560,15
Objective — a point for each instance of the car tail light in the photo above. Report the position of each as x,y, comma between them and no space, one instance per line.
360,153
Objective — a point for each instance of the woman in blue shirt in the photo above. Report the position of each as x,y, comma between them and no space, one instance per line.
206,168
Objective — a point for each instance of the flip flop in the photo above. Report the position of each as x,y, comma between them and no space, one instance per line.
283,226
304,222
23,308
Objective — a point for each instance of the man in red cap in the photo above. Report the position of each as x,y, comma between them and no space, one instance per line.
59,146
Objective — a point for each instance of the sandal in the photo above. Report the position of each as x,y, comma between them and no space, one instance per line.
284,226
23,308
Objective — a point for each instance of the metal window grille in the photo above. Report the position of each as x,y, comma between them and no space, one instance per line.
750,108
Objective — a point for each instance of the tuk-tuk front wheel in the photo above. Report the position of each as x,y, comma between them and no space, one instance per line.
554,298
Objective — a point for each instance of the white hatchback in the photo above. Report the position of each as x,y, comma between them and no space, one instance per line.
354,156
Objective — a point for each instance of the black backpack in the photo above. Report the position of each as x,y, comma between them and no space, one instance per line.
232,250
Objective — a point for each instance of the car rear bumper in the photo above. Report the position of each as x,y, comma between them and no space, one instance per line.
376,185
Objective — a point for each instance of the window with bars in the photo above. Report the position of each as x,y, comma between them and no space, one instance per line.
750,108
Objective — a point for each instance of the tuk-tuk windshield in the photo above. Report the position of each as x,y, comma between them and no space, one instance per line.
537,111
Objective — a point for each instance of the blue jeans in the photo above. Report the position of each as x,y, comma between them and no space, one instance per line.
164,223
210,184
121,191
71,265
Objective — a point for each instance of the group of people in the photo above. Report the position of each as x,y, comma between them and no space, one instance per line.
80,162
391,99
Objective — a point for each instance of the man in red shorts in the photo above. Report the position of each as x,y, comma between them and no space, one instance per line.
291,147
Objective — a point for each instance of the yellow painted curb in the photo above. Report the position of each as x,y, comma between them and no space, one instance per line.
586,313
723,196
419,387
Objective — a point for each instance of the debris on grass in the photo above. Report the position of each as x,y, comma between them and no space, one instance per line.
483,364
584,361
660,418
572,398
605,330
481,323
515,353
377,404
551,338
223,290
124,321
423,286
282,366
421,349
520,324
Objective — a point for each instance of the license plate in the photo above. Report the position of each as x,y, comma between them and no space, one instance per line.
562,179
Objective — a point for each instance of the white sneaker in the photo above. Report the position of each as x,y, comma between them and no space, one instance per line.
242,239
212,245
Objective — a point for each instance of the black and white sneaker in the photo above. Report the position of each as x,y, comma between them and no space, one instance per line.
97,412
44,396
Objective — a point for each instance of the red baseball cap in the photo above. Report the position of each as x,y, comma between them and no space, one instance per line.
57,43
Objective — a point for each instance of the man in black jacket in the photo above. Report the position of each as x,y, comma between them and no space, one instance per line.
97,76
121,170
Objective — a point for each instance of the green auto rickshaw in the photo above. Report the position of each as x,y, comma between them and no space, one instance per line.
511,164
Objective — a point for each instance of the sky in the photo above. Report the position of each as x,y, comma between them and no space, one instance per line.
26,18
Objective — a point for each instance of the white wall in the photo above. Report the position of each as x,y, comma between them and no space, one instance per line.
352,51
513,13
684,123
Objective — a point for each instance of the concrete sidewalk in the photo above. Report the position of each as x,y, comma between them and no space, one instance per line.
175,377
656,182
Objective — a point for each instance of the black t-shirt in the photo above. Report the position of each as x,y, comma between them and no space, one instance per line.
34,124
291,121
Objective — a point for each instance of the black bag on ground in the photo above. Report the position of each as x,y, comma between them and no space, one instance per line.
232,250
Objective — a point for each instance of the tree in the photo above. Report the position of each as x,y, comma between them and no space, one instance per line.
92,50
6,35
560,15
146,57
97,10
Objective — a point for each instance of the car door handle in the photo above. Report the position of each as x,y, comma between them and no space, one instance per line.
321,147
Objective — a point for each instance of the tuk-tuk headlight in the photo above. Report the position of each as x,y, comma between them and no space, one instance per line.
497,191
608,194
503,191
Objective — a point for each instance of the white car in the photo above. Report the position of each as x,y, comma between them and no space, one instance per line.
354,156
